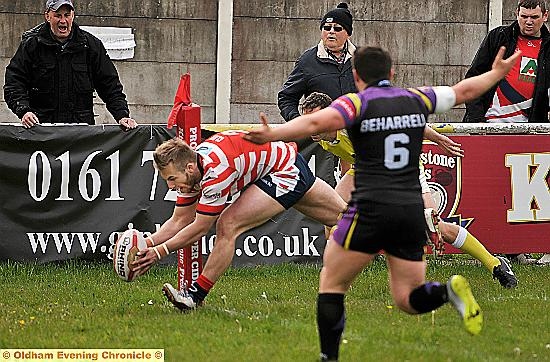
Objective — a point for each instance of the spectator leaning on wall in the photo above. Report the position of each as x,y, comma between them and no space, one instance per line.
52,76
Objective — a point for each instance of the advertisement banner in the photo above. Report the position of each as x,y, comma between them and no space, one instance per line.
69,191
499,191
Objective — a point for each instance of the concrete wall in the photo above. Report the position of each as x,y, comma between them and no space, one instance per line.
172,37
432,43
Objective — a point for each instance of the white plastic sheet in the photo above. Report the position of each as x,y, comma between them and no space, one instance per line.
119,42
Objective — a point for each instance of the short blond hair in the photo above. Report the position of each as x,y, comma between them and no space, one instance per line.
176,151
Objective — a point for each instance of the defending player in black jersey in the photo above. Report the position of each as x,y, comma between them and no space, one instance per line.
386,126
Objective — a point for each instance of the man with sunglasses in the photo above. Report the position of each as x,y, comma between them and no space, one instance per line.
324,68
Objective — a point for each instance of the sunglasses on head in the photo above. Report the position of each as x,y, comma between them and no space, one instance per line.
337,28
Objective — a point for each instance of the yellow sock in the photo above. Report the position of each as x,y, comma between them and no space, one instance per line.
473,247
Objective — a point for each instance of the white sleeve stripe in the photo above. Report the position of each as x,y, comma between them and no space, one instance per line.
445,99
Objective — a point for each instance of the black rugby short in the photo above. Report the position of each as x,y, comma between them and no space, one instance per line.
288,187
399,230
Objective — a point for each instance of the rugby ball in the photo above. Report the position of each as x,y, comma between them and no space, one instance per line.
126,247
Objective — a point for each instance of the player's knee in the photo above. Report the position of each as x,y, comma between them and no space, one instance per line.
339,207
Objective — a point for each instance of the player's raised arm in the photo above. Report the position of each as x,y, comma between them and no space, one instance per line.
327,119
471,88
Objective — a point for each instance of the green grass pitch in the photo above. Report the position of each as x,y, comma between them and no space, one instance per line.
268,313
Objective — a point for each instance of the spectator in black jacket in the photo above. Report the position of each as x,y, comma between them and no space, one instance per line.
52,76
324,68
523,95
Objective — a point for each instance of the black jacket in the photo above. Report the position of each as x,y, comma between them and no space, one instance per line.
57,81
508,36
314,74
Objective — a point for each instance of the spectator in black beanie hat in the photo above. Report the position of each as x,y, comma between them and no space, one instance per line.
341,16
324,68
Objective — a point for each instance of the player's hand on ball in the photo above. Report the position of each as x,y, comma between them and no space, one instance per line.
144,261
125,253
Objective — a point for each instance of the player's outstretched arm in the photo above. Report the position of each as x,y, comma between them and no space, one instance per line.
181,217
327,119
445,143
186,236
471,88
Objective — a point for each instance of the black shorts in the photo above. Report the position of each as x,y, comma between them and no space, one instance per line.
289,186
399,230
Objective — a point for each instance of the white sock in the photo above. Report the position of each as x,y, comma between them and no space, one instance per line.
460,238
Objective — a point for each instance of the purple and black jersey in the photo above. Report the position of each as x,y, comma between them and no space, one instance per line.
386,127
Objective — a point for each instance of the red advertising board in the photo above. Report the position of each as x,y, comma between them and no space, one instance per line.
499,191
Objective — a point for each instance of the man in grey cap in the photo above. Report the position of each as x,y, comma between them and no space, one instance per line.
61,28
52,76
60,25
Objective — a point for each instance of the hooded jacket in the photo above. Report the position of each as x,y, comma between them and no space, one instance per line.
56,81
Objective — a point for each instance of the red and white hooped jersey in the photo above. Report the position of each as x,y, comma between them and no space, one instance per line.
229,163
